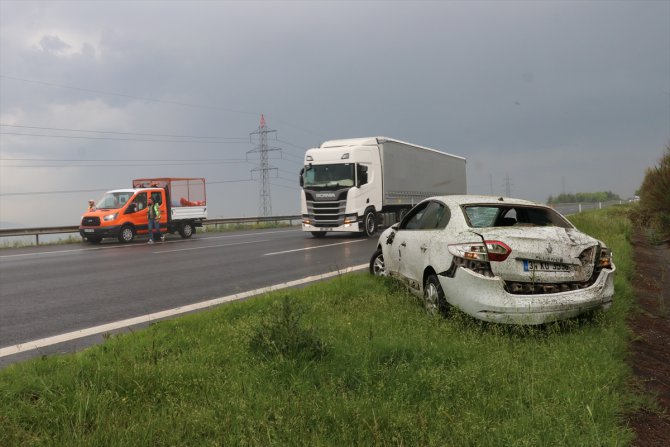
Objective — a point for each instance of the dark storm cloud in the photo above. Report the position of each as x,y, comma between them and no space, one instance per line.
547,93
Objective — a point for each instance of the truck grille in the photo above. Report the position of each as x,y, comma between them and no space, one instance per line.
90,222
327,214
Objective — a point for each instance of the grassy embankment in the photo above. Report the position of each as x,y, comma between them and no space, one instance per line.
352,361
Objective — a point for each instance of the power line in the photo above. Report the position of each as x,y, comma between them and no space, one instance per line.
123,133
216,182
80,137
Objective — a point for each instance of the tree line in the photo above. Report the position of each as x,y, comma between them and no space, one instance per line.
583,197
655,196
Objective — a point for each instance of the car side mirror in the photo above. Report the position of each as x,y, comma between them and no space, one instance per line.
302,179
131,208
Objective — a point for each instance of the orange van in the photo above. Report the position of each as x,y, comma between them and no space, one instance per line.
122,213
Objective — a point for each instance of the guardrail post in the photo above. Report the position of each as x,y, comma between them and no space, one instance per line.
37,239
580,207
600,205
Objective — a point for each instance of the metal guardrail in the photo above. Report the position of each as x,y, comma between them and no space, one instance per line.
38,231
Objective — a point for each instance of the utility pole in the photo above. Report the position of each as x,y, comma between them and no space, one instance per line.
508,186
264,193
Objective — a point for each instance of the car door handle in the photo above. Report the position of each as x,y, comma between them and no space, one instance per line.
424,247
404,244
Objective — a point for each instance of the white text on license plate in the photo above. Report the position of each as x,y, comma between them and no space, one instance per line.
539,266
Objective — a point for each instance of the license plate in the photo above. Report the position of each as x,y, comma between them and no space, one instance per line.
88,230
539,266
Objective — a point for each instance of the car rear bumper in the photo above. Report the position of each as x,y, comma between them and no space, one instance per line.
485,298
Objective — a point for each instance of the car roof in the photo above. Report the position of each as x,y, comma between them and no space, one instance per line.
458,200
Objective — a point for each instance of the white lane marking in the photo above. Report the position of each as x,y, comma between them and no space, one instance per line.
77,250
211,246
58,252
311,248
43,342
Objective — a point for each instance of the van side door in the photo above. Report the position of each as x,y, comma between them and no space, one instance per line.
136,213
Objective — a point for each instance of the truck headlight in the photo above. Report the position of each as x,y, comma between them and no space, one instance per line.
350,218
109,217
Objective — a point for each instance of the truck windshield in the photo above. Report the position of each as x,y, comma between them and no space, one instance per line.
323,176
113,200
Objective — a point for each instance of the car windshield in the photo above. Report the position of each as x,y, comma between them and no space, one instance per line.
113,200
483,216
336,175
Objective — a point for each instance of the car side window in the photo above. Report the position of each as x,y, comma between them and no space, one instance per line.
412,220
431,218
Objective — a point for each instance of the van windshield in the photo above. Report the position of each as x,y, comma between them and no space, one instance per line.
335,175
113,200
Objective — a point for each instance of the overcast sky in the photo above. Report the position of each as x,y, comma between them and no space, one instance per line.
566,96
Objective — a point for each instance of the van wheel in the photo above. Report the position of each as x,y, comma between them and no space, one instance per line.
433,296
186,230
370,223
126,234
318,233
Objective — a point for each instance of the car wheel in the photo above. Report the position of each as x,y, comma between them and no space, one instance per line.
377,266
433,295
93,239
318,233
186,230
126,234
370,223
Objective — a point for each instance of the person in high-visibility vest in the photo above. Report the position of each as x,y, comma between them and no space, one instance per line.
153,216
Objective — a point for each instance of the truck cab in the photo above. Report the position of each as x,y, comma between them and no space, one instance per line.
122,214
341,189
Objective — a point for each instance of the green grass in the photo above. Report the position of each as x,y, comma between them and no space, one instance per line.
351,361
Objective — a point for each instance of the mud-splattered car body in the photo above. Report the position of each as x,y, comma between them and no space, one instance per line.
497,259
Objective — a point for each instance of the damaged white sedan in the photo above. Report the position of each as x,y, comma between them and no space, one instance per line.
497,259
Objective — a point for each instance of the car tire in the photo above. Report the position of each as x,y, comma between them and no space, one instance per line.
186,230
433,296
126,234
93,239
318,233
377,265
370,223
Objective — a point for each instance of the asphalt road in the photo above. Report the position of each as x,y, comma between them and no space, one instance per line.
47,291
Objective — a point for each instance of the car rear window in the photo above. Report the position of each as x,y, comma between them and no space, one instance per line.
483,216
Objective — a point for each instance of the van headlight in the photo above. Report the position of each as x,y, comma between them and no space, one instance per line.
109,217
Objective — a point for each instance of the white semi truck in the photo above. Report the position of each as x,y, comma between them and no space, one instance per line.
359,185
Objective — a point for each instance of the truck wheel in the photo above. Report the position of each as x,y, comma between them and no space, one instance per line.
318,233
377,266
433,296
186,230
370,223
126,234
93,239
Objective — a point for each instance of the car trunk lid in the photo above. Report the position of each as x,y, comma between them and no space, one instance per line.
544,254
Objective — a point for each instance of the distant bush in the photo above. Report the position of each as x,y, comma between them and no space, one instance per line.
655,197
583,197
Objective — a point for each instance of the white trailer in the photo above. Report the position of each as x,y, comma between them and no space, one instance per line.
359,185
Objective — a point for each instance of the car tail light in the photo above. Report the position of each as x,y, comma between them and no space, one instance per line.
605,259
488,251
